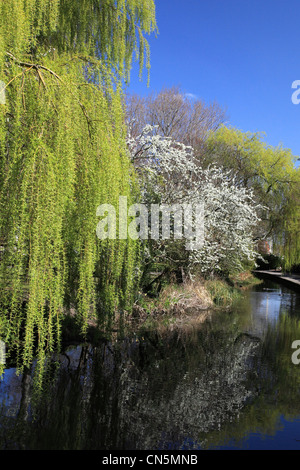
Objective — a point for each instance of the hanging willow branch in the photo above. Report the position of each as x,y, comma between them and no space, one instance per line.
29,66
38,68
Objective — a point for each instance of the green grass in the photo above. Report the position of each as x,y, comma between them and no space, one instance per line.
222,294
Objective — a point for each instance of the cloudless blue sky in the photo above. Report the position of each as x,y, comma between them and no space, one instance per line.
244,54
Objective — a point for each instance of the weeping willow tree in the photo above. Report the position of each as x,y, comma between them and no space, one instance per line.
275,179
63,152
289,242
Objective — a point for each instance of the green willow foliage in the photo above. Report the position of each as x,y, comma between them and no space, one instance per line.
275,179
63,152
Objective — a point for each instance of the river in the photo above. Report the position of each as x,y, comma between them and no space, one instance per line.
227,384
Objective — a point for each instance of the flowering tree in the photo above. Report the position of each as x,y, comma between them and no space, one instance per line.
170,174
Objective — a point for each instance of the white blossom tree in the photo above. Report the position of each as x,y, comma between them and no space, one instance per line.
170,174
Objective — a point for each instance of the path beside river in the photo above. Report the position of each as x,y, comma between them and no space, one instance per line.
290,280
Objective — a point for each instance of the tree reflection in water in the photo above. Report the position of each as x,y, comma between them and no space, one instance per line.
190,387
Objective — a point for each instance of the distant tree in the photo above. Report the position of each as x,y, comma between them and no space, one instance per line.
176,115
271,173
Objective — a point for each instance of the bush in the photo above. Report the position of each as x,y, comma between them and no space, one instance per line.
295,268
270,261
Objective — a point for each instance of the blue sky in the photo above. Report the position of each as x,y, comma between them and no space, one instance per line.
244,54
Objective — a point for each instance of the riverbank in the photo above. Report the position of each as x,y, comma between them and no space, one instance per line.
189,302
290,280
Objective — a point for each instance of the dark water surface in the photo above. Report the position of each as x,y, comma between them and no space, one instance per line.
228,384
